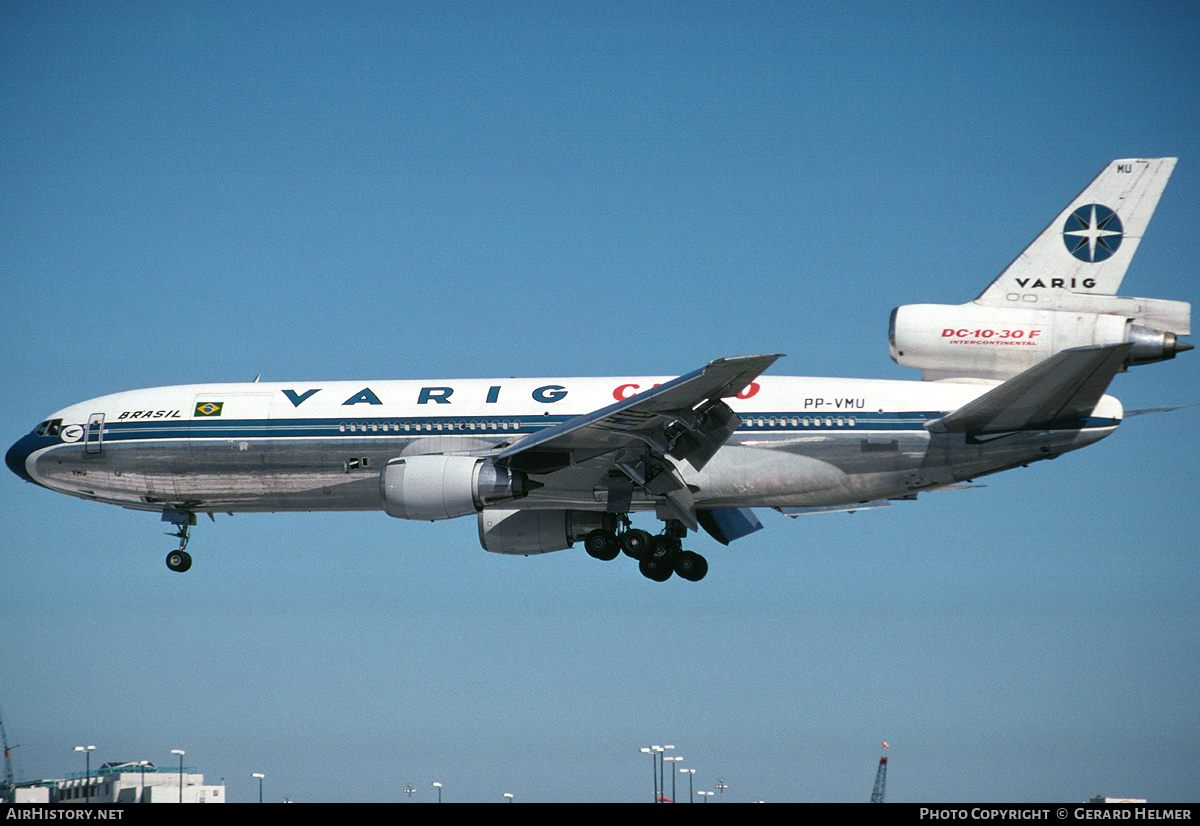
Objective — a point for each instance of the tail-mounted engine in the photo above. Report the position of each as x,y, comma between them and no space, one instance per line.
443,487
980,341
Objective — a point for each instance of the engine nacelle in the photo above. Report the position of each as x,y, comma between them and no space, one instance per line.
442,487
999,342
537,531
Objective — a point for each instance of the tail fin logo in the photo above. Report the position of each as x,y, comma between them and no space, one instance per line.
1092,233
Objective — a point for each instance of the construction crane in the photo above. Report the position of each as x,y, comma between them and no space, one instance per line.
880,780
8,787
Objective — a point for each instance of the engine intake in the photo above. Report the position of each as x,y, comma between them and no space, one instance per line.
444,487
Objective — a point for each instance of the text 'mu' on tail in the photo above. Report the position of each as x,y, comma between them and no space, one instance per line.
1088,247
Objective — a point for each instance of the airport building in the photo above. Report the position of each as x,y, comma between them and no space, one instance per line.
124,783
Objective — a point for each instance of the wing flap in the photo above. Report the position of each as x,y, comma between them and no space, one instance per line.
728,524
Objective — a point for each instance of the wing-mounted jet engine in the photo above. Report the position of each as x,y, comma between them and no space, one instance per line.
437,486
1059,294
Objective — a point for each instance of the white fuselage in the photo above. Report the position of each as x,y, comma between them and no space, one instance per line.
303,446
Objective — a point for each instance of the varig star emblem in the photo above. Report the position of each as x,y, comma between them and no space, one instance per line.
1092,233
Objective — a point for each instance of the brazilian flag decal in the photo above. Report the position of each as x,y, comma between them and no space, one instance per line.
209,408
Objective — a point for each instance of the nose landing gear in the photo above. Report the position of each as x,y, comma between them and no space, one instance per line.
180,560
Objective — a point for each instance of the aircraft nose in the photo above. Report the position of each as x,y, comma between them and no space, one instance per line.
18,453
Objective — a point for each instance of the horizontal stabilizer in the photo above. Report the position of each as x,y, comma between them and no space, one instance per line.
1061,390
1145,411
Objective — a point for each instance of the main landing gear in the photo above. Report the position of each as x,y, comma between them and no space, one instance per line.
180,560
657,556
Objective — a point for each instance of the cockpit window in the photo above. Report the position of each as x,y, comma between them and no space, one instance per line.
49,428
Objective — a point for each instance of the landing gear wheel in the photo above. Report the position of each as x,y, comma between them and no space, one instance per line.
179,561
691,566
636,543
602,545
655,569
664,549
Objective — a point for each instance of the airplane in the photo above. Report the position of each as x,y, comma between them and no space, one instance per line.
1016,376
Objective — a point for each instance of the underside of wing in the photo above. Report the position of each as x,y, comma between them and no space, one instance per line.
625,446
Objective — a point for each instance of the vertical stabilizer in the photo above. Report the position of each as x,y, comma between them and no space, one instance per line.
1087,248
1060,294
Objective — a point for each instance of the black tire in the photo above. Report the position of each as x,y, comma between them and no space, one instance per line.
691,566
655,569
636,543
664,549
179,561
601,544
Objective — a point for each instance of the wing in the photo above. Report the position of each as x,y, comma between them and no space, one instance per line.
684,419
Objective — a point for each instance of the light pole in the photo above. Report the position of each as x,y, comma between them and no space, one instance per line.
705,795
658,786
653,770
438,786
87,775
509,796
690,773
721,787
260,777
180,752
675,759
662,756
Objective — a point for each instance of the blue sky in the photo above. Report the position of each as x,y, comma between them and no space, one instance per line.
212,191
